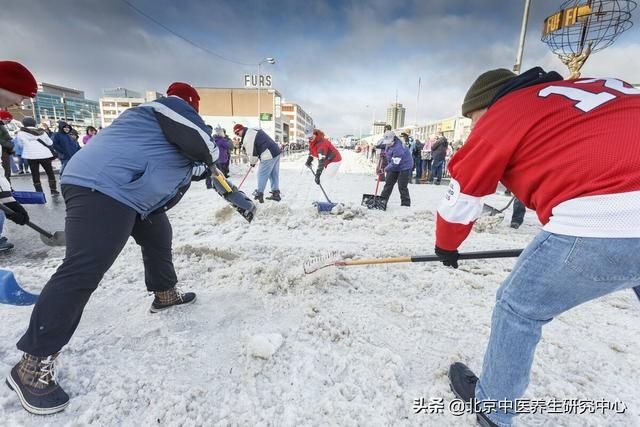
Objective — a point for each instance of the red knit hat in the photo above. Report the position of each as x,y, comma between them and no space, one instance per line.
16,78
237,128
186,92
5,115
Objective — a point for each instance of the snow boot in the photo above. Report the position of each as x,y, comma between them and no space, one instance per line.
52,187
463,384
37,186
258,196
34,381
515,225
5,245
275,195
170,298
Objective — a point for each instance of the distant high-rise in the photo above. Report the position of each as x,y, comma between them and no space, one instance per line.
395,115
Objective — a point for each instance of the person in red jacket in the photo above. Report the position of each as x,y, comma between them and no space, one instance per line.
543,138
328,156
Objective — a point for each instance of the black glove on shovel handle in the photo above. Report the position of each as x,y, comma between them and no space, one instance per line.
448,258
58,238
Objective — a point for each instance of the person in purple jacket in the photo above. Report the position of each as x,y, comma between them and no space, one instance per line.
399,168
223,143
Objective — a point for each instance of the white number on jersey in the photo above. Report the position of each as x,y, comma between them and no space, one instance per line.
587,101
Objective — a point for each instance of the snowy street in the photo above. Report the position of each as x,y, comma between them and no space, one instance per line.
265,344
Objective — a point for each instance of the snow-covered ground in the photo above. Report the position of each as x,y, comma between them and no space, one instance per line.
265,344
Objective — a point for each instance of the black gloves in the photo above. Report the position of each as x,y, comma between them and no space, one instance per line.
309,161
448,258
206,174
19,215
318,173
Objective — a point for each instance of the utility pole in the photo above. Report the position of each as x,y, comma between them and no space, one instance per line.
523,33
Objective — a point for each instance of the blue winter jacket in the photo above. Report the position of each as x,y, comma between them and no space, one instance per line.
259,145
399,157
64,144
146,158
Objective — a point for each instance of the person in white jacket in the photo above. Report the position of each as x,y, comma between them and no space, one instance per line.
37,150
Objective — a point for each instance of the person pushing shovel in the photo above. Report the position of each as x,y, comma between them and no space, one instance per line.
16,84
329,158
589,245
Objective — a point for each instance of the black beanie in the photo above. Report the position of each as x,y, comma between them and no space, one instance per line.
29,122
484,89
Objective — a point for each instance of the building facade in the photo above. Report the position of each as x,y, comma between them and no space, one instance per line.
395,115
299,121
117,100
54,103
228,106
378,127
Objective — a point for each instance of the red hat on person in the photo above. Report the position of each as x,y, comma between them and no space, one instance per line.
5,115
186,92
15,78
237,128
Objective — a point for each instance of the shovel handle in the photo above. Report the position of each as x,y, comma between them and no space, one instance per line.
8,211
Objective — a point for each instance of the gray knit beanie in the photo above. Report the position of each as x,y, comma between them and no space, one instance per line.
483,90
29,122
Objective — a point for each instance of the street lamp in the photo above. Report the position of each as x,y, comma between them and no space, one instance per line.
268,60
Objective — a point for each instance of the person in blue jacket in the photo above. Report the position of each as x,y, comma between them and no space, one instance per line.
119,186
260,146
399,168
64,144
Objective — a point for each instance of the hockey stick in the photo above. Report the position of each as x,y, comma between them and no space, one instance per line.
245,177
334,259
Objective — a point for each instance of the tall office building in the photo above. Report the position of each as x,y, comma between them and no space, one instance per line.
395,115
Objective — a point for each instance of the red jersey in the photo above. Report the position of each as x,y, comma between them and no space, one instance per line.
324,151
568,149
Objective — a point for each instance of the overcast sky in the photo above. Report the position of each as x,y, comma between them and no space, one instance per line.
342,61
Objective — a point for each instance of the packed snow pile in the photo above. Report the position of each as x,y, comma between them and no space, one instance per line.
267,344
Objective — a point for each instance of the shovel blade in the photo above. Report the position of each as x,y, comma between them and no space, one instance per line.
371,201
11,293
58,238
324,206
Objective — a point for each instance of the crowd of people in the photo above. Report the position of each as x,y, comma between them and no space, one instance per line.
589,245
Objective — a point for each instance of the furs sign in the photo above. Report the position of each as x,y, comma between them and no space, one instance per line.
254,80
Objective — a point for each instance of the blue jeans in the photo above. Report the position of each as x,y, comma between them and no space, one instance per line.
417,161
554,274
269,170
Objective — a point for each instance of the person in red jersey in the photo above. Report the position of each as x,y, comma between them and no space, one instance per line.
328,156
568,149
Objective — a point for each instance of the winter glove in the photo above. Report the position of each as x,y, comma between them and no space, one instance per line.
200,172
19,215
318,173
309,161
448,258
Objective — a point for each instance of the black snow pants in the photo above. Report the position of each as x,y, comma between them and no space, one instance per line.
97,227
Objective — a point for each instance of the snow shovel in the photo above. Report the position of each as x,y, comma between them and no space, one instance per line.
334,259
486,209
11,293
322,206
56,239
29,197
373,201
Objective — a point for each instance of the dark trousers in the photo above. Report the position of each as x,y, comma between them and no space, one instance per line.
6,165
519,210
34,165
97,228
437,170
417,161
402,178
